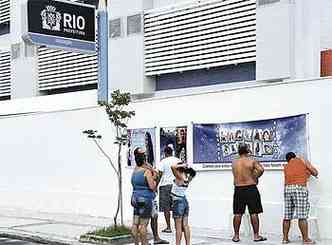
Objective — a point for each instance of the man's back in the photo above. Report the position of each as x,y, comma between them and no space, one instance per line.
164,166
243,172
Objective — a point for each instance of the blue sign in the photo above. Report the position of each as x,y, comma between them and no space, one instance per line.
267,140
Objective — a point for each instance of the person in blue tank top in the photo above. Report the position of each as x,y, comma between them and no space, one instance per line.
144,187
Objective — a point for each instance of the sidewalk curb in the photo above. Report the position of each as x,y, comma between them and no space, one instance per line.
123,239
36,238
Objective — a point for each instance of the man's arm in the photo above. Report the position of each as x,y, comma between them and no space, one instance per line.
258,169
151,181
311,169
155,173
160,169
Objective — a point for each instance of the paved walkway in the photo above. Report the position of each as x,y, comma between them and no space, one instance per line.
8,241
66,229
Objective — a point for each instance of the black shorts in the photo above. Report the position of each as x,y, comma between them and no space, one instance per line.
247,196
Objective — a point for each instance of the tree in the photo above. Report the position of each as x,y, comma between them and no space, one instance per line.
119,115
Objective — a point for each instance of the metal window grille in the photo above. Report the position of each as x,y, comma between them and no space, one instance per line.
115,28
266,2
4,11
134,24
5,73
63,69
199,35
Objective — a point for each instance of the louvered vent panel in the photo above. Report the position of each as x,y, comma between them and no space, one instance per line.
201,35
5,73
62,69
4,11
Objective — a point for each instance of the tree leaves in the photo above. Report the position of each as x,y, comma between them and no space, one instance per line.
118,112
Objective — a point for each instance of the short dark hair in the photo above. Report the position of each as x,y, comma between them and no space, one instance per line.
168,151
140,157
243,149
290,156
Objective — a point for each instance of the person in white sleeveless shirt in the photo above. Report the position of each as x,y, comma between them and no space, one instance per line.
180,206
165,185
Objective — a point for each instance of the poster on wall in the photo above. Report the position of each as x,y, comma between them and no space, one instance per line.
215,145
175,137
145,138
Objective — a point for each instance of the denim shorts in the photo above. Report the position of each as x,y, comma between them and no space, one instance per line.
180,208
142,206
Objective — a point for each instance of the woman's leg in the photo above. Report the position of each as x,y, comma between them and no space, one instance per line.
186,230
142,228
178,230
134,230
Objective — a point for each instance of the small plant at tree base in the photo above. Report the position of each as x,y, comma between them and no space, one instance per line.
119,115
111,231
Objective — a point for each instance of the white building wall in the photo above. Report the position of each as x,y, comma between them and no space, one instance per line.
165,3
274,53
126,53
48,165
289,40
326,25
4,42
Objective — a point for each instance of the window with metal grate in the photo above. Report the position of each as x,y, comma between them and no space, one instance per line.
266,2
199,35
64,69
4,16
5,74
134,24
115,28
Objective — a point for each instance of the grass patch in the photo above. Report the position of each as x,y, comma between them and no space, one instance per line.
111,231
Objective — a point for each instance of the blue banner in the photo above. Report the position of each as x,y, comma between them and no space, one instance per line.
268,140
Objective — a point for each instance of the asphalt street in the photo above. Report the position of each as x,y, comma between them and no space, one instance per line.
7,241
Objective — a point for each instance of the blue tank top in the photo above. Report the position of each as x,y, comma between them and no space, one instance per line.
140,185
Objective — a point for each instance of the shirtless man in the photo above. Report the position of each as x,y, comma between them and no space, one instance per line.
246,173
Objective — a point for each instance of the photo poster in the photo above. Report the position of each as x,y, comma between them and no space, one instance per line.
176,137
145,138
215,145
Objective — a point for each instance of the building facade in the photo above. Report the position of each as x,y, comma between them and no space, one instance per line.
207,61
173,45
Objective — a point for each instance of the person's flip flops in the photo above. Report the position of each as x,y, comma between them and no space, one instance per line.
161,241
260,239
309,242
235,240
285,241
167,231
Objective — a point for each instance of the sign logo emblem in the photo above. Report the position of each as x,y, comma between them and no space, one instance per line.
51,18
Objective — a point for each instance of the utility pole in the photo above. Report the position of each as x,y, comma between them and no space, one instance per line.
102,52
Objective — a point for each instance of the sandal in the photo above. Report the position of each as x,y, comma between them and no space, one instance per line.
309,242
167,230
285,241
260,239
235,240
161,241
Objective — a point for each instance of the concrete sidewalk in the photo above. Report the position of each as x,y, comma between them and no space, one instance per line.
63,229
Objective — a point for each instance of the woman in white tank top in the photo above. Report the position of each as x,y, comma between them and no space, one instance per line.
180,206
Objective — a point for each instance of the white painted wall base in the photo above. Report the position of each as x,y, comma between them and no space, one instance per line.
48,165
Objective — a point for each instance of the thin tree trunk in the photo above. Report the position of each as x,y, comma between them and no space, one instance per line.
120,198
120,185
